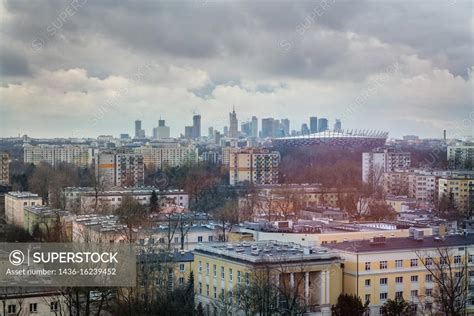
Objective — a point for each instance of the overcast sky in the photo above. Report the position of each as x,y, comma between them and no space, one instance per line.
85,68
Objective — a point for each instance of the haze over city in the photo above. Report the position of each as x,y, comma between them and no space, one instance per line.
407,66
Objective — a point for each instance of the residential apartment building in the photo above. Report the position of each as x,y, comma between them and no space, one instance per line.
4,169
15,202
87,199
375,163
423,187
227,152
20,300
387,268
313,275
163,271
257,166
396,183
99,229
46,219
163,157
119,169
79,156
460,190
461,157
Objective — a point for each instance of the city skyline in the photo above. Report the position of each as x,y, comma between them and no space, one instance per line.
390,66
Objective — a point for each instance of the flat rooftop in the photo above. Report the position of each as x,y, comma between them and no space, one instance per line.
45,210
267,252
23,195
404,243
120,190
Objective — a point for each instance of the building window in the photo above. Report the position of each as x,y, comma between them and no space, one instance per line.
383,296
222,273
199,267
214,270
413,262
383,281
414,293
457,259
207,290
210,238
33,307
54,306
181,281
230,275
367,282
399,294
207,268
181,267
399,263
247,278
367,266
367,297
199,238
399,280
414,278
200,287
214,290
429,278
238,277
428,262
383,265
11,309
429,292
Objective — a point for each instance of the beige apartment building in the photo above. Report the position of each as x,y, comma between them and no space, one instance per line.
257,166
168,156
15,203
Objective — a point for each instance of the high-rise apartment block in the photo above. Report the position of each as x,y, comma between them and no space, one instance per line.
119,169
79,156
169,156
460,190
375,163
337,125
257,166
461,157
4,169
196,133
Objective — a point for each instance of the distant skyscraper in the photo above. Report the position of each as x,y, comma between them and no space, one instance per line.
267,127
304,129
188,132
313,124
322,125
226,131
210,132
338,125
254,126
233,124
246,128
138,128
276,128
285,125
196,127
162,131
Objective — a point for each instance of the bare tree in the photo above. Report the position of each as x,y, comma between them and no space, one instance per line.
450,275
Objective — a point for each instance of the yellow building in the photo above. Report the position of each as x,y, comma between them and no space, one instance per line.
381,269
459,188
310,276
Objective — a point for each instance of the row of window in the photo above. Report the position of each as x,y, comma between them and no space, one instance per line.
399,280
414,262
222,272
12,308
